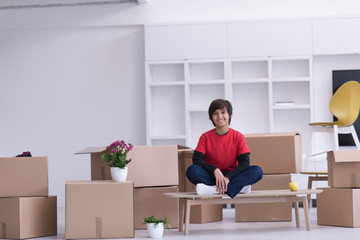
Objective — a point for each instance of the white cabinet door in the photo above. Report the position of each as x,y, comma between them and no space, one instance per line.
274,38
336,36
167,42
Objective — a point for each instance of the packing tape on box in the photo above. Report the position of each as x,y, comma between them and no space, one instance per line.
98,227
3,232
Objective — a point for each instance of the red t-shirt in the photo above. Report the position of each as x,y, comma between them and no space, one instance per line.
222,151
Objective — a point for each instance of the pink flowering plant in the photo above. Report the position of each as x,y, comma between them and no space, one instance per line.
118,154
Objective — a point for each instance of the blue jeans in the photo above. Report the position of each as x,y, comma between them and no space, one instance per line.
196,174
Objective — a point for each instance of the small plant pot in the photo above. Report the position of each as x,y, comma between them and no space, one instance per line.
155,231
118,174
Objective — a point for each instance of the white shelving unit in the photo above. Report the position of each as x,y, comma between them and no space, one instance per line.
269,94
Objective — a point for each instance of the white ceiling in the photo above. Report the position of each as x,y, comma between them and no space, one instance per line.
8,4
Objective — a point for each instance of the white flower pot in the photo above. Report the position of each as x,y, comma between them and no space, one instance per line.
118,174
155,231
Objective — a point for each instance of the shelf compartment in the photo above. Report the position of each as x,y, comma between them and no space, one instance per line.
290,68
296,92
172,72
249,69
251,108
200,123
294,120
202,95
206,71
167,111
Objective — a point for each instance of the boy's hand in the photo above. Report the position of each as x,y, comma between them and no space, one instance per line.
221,181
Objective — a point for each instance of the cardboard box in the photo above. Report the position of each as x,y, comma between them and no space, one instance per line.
266,212
344,168
339,207
276,153
203,213
99,209
24,176
162,160
185,161
28,217
151,201
206,213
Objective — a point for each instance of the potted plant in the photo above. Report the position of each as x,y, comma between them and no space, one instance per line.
116,158
156,226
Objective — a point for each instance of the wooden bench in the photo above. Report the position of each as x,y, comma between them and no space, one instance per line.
264,196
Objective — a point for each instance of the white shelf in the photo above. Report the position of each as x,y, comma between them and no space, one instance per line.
179,94
259,80
209,82
292,79
168,137
300,106
159,84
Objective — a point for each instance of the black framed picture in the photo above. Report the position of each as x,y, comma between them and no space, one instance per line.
339,78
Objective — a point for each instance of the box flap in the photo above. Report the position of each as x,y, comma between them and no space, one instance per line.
345,156
92,150
272,134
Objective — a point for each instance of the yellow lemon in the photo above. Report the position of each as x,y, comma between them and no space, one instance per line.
294,186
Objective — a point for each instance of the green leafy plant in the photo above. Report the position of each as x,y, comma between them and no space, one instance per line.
156,221
118,154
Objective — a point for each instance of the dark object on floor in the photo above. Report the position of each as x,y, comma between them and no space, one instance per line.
24,154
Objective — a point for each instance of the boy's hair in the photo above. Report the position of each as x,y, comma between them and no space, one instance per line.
219,104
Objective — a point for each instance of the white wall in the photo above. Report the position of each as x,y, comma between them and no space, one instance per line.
63,90
72,77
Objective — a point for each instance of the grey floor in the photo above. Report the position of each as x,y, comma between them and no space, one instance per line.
230,229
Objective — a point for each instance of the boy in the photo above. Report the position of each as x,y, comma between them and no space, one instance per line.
221,162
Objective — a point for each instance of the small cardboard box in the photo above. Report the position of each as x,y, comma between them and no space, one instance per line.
24,176
99,209
276,153
344,168
28,217
266,212
162,160
203,213
339,207
151,201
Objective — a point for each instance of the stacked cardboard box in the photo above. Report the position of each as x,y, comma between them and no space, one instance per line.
203,213
26,209
99,209
153,171
339,205
278,154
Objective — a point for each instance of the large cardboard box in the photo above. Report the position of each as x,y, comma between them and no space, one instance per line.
203,213
24,176
28,217
99,209
344,168
266,212
151,201
162,160
339,207
276,153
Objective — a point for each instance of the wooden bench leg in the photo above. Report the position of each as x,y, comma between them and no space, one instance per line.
187,216
306,212
309,187
297,218
182,213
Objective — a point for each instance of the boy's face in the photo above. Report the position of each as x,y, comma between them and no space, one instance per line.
221,118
